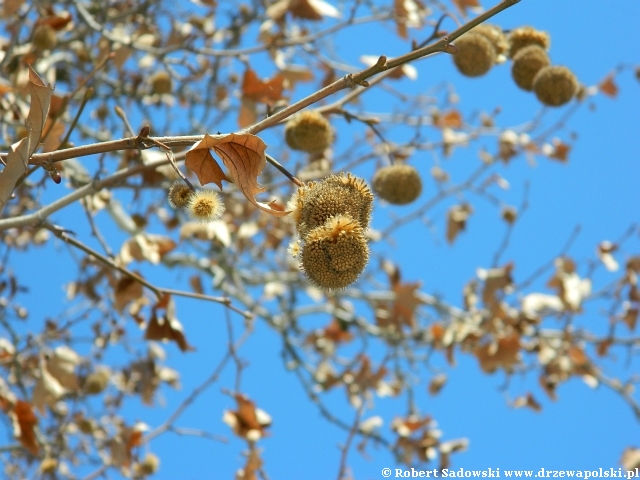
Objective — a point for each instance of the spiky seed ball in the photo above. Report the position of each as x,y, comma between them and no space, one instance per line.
205,206
495,35
475,55
335,254
555,85
179,195
44,37
161,83
336,195
397,184
527,63
524,36
308,131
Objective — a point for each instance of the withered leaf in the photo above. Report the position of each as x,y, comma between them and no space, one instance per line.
17,160
408,13
126,290
463,5
24,424
495,279
305,9
527,400
162,328
609,87
559,151
451,119
247,421
457,220
205,167
52,142
196,284
244,157
166,327
251,467
630,458
405,304
145,246
263,91
605,253
503,353
437,383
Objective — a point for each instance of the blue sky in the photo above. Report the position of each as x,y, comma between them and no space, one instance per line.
597,189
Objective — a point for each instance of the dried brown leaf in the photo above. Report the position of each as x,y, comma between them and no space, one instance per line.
126,290
24,424
52,142
244,157
451,119
195,282
630,459
437,384
247,421
609,87
503,353
205,167
17,160
263,91
457,220
605,253
166,327
529,401
251,467
463,5
403,311
163,328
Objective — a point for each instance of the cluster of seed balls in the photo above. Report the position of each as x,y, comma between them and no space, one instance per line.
203,205
331,217
482,47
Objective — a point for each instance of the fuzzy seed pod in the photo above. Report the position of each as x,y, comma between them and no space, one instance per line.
335,254
475,56
526,64
555,86
44,37
308,131
525,36
179,195
495,35
340,194
205,206
397,184
161,83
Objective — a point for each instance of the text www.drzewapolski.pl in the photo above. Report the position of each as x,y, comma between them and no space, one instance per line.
498,473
